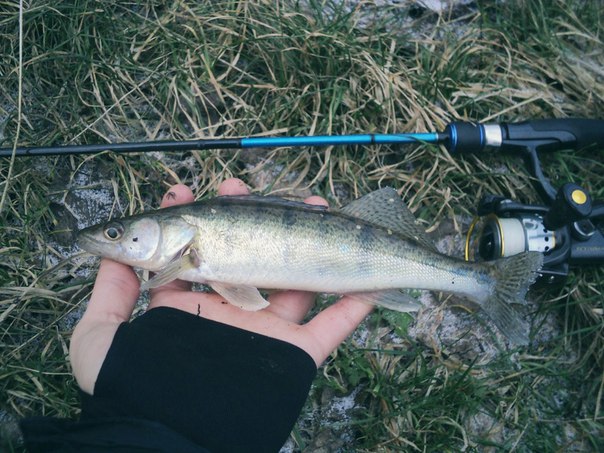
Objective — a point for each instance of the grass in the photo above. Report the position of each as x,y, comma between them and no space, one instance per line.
122,71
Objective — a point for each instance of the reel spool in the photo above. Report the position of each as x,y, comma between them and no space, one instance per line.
492,237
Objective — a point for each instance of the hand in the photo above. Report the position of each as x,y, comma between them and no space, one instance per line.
117,288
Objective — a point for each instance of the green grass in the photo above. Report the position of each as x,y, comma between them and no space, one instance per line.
112,71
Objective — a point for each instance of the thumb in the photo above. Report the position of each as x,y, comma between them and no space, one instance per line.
115,292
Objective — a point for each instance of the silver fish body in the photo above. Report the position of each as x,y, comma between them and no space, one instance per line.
293,248
370,249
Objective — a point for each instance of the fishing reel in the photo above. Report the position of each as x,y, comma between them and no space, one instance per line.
568,232
568,228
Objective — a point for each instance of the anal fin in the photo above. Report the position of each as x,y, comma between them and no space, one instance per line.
392,299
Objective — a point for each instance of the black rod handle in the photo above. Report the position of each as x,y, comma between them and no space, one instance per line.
555,134
545,134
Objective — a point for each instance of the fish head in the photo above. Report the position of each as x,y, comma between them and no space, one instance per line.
148,242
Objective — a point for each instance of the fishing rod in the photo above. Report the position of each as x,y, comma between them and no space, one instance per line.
568,228
457,137
230,143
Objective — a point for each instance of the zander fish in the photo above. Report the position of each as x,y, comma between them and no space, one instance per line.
370,249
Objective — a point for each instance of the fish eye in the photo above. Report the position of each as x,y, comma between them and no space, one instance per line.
113,231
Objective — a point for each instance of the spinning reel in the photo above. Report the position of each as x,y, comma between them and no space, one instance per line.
568,228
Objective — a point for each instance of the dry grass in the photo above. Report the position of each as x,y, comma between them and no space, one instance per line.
113,71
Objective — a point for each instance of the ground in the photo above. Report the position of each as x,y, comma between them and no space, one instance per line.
444,380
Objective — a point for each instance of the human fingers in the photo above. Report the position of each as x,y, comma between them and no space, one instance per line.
292,305
177,194
317,201
233,186
325,332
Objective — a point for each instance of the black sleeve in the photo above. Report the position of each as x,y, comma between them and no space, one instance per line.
111,435
222,387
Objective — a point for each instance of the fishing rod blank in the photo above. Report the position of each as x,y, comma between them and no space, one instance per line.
228,143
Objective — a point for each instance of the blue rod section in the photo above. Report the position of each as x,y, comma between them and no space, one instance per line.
327,140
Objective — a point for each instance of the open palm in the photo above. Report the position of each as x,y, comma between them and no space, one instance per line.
117,288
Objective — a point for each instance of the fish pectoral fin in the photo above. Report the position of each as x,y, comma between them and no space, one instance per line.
393,299
170,272
242,296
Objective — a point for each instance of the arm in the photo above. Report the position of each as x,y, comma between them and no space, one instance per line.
112,302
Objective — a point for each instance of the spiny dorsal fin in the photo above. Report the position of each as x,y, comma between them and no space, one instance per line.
385,208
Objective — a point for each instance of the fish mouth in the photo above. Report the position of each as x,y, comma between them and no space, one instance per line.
88,243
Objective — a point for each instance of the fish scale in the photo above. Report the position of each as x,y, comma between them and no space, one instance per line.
314,243
371,249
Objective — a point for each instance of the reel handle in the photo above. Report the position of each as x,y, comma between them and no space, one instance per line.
572,203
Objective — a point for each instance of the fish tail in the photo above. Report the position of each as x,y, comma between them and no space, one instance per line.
513,276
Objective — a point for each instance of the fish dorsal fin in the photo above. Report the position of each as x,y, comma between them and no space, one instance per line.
270,200
385,208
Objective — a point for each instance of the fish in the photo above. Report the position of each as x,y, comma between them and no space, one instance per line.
371,249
